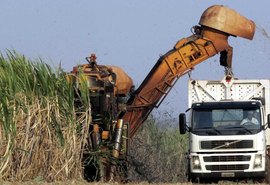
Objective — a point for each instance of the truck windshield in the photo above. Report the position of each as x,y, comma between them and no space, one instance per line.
226,121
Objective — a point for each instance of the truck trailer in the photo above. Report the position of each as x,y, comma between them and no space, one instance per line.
223,142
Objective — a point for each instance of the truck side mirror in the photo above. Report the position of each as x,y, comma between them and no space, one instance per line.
182,123
268,120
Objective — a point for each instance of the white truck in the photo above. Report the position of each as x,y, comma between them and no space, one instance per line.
221,145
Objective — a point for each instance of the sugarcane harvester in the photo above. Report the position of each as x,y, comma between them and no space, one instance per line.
118,110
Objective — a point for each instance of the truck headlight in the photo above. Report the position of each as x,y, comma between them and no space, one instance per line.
196,163
257,161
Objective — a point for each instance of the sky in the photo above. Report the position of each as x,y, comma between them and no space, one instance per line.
131,34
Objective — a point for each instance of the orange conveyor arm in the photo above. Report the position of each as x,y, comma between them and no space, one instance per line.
206,42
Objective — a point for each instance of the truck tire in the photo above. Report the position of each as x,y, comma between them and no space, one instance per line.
193,179
265,179
267,169
190,177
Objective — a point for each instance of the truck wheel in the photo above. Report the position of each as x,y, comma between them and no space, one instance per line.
196,180
267,169
193,179
265,179
190,177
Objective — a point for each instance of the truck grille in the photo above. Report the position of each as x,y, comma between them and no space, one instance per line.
226,144
227,167
230,158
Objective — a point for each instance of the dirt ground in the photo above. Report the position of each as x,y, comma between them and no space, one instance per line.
77,182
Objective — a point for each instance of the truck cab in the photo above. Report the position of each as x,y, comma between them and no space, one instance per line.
227,129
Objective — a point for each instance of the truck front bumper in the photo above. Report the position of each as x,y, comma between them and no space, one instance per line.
259,174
